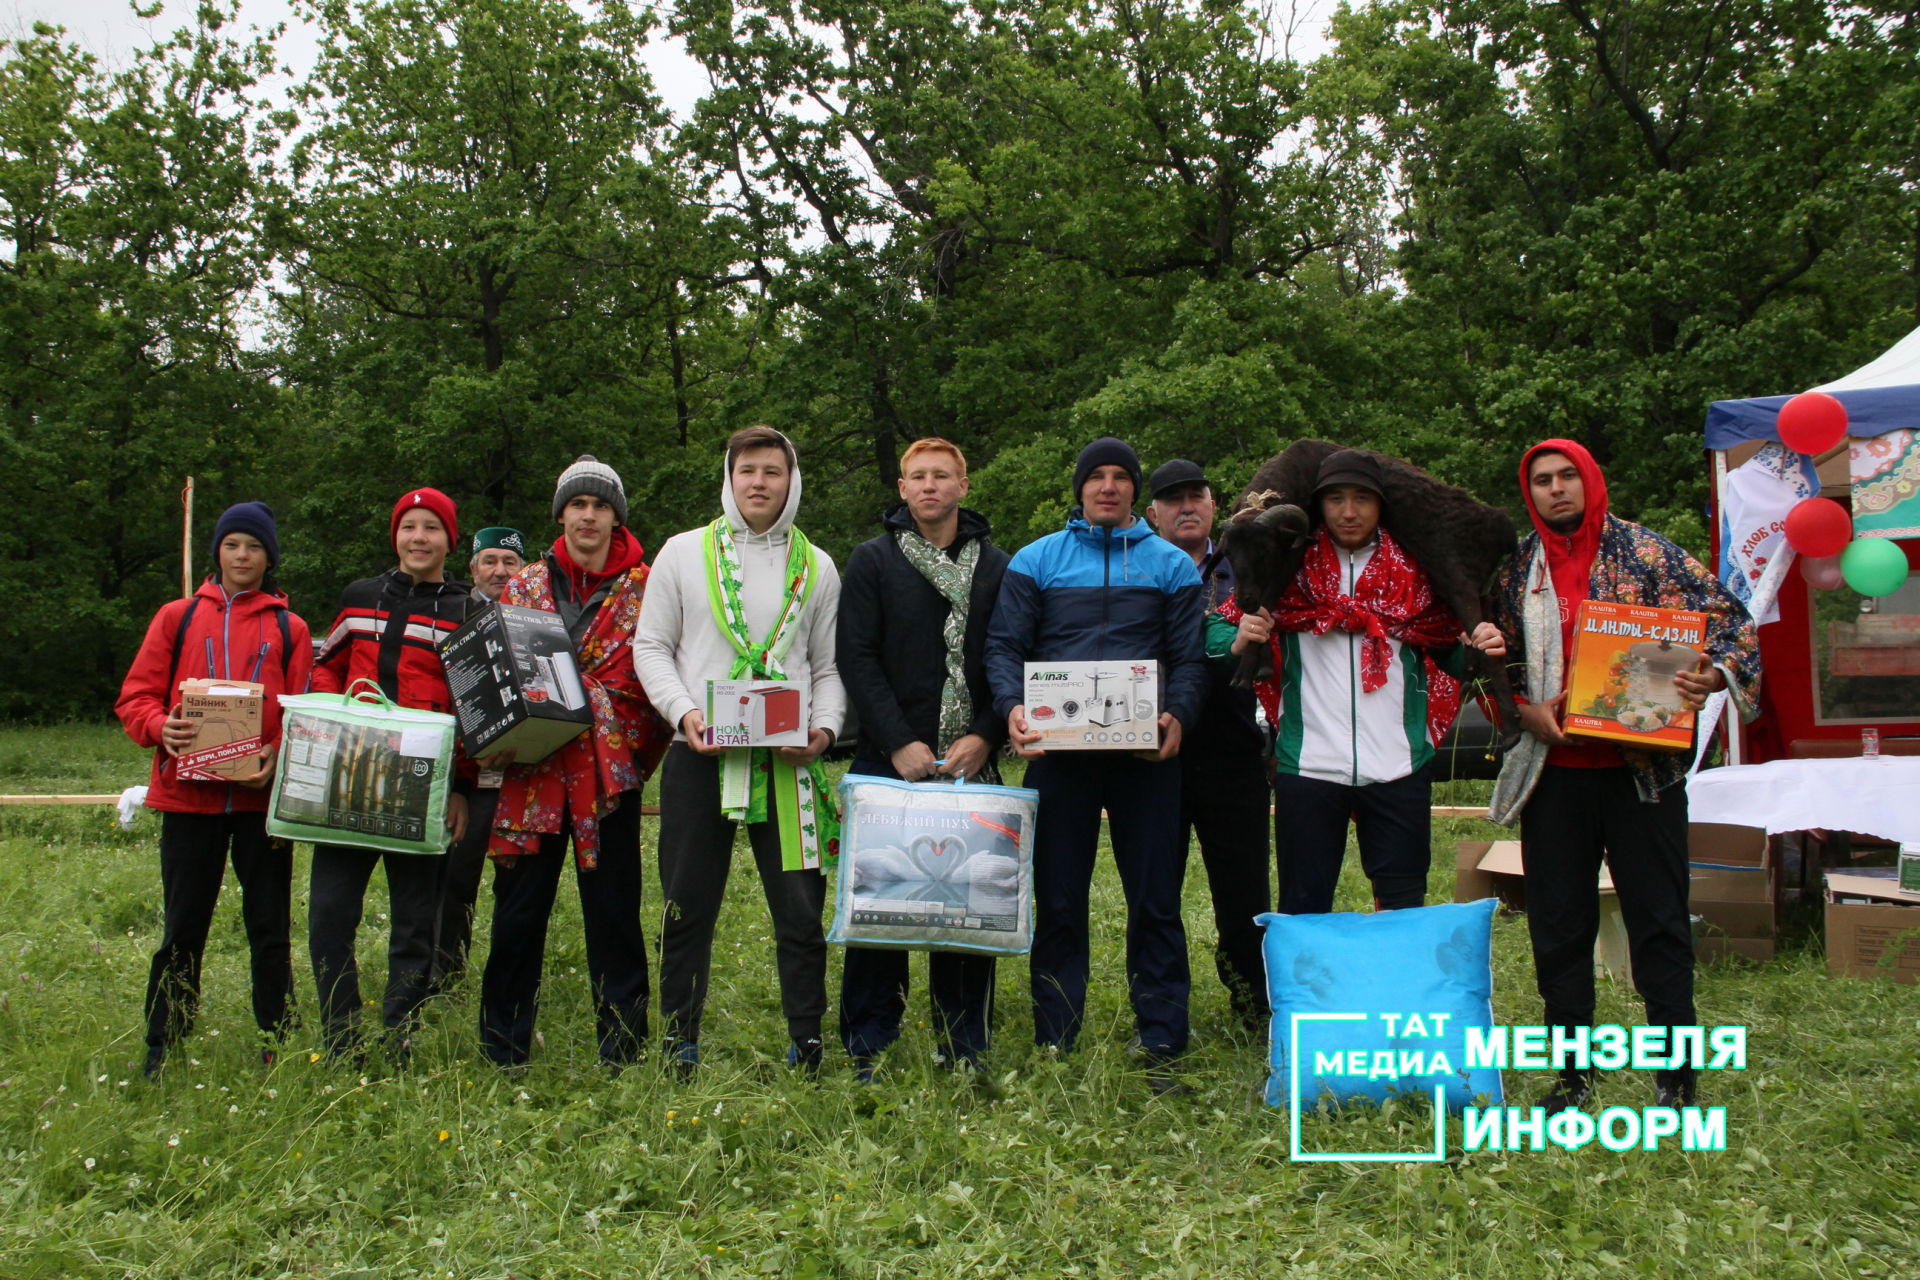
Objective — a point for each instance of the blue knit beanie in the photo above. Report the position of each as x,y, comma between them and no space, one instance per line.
255,518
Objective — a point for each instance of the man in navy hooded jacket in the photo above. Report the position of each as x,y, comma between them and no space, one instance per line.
1105,587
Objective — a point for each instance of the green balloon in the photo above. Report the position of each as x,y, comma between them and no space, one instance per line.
1874,566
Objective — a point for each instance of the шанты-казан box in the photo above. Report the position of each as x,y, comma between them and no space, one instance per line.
1620,677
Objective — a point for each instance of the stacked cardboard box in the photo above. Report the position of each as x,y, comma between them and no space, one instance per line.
1731,893
1873,925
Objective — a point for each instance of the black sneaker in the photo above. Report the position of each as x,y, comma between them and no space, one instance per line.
808,1054
683,1060
1163,1083
865,1067
1674,1093
1571,1094
156,1062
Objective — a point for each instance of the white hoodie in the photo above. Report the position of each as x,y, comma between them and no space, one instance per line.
678,647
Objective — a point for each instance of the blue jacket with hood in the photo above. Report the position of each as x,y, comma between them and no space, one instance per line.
1089,593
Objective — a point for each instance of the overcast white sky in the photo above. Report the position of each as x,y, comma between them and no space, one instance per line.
109,29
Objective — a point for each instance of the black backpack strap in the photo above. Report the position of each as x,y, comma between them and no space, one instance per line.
179,642
186,620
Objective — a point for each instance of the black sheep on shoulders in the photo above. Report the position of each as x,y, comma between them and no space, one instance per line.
1458,540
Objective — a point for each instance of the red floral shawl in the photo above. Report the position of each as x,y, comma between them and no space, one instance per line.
585,778
1392,600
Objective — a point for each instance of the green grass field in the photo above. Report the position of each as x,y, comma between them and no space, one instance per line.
1062,1167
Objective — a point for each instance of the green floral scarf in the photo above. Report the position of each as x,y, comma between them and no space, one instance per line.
954,580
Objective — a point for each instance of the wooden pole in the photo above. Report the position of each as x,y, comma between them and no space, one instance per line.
186,540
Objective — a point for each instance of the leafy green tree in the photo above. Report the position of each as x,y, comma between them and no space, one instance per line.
1620,210
126,207
984,214
493,264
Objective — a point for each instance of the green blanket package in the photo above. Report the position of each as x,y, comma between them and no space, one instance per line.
356,769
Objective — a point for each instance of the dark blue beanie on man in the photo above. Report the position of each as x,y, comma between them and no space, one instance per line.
1107,451
255,518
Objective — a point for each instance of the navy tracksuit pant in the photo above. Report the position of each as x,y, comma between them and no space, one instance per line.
1392,821
1142,802
1223,801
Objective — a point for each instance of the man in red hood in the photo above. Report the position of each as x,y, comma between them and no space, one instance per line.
1582,801
593,577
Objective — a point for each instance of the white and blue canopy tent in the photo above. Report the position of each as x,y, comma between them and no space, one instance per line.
1880,396
1757,480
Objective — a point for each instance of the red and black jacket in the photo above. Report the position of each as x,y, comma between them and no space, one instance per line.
389,631
251,636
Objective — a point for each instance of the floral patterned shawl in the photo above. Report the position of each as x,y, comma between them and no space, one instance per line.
585,778
1633,565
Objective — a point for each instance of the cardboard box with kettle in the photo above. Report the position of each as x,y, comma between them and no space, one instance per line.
514,682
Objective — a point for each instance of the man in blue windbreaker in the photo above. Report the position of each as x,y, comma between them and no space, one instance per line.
1105,588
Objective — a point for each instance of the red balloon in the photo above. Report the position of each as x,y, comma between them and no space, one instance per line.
1821,572
1812,422
1819,527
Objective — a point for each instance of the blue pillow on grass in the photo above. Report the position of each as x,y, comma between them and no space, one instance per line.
1418,978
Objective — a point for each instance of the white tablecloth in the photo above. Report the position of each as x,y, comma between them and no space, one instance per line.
1879,797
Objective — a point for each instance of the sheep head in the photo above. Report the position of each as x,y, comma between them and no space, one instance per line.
1265,542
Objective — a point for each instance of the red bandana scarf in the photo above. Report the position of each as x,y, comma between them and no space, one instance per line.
1392,600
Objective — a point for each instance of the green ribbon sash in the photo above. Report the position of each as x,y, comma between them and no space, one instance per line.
809,823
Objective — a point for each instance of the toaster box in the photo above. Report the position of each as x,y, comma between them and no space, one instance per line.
1106,705
514,682
756,713
1620,677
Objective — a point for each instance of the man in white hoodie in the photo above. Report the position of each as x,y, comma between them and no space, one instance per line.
746,597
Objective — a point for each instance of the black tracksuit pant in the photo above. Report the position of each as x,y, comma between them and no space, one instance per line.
696,853
1223,800
1392,821
194,849
873,988
523,896
1142,803
1573,819
460,888
336,902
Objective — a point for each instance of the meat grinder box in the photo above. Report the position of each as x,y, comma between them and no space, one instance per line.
514,682
1106,705
756,713
227,741
1620,679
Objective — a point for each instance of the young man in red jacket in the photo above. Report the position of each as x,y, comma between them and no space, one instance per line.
389,631
593,577
235,627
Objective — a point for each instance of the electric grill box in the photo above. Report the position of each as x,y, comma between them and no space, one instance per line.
1107,705
514,682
